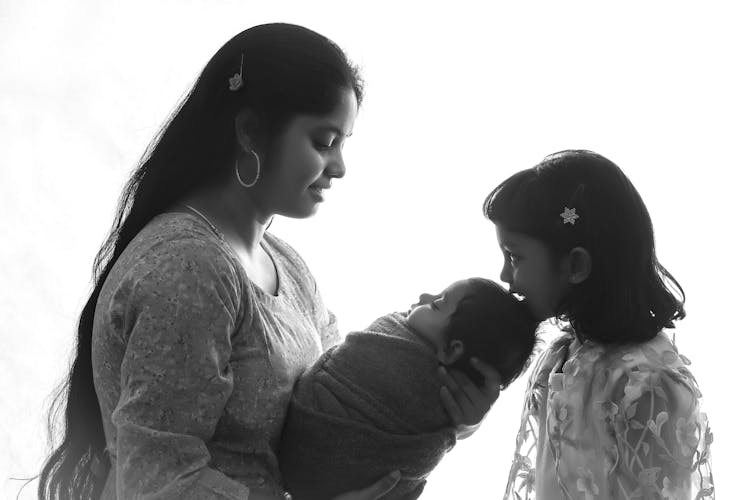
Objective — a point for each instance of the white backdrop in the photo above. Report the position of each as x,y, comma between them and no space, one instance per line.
459,96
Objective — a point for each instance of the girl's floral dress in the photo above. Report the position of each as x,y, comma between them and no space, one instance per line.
612,422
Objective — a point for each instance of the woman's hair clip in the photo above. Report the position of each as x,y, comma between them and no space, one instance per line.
236,82
569,216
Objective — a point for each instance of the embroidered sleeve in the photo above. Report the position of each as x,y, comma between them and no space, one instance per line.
663,440
175,378
522,477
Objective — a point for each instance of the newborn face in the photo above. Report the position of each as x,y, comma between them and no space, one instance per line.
431,315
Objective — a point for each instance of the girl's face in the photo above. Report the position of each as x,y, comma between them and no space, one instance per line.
532,271
307,156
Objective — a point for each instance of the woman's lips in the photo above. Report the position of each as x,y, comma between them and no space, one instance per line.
317,192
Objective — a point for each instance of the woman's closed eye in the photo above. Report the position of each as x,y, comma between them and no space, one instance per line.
323,145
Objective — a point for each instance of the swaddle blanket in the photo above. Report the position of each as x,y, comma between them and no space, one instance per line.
368,406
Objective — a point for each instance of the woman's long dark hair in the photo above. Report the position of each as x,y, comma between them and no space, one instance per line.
287,71
629,296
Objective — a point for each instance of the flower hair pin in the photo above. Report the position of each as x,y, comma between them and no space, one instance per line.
235,82
569,216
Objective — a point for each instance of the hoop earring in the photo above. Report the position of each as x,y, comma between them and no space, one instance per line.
257,173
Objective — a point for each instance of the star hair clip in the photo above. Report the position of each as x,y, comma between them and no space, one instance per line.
569,216
236,82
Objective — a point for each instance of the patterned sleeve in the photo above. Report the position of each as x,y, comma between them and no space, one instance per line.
176,376
663,438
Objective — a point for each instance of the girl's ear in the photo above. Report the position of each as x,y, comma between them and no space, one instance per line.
452,352
579,268
245,129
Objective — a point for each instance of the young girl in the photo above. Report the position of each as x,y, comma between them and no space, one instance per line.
200,320
611,410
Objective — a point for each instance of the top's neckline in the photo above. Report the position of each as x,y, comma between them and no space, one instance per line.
280,281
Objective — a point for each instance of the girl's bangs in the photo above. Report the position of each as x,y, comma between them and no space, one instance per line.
514,204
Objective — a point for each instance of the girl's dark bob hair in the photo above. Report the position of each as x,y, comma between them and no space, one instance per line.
629,296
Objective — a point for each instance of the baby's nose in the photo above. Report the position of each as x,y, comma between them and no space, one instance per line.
425,298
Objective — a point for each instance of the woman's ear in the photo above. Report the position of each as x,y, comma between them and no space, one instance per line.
579,267
452,352
246,128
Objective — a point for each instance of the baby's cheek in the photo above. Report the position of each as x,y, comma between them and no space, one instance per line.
411,319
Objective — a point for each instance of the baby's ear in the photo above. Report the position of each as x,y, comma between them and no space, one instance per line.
452,352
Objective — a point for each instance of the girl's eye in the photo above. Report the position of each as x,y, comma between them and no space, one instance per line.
513,258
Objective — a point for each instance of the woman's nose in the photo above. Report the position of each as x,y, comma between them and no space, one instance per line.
337,168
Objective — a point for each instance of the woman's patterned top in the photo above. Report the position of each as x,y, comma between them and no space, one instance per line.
611,423
194,364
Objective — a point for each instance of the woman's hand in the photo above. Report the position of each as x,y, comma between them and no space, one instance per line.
466,403
375,490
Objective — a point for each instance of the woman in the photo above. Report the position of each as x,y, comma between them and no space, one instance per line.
200,320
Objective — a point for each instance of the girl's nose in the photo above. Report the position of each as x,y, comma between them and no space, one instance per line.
506,276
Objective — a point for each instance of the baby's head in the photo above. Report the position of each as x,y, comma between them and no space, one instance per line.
476,317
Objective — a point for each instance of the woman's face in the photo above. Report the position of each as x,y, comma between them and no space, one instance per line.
532,271
307,156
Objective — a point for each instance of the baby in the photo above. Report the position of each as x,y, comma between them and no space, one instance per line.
371,405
